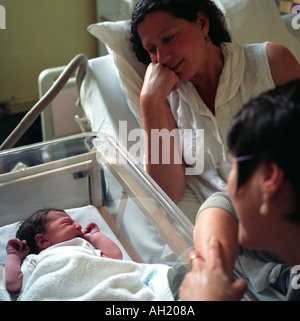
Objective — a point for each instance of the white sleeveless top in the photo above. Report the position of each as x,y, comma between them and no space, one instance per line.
246,74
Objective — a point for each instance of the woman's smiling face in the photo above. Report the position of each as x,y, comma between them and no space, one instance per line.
174,42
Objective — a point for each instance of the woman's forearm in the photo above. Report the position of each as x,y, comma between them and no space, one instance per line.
217,222
163,152
164,161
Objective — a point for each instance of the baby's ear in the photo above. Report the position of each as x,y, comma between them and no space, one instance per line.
41,241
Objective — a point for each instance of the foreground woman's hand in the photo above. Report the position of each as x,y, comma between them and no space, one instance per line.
207,281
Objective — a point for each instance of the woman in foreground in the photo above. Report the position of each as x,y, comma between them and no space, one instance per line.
263,185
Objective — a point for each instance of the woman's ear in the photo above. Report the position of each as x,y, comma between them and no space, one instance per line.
203,22
272,181
41,241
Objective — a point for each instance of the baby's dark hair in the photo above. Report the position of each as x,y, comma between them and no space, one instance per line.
33,225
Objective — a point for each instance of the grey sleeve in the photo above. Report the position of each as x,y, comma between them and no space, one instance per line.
219,200
222,201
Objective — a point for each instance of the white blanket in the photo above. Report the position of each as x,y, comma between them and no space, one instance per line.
84,277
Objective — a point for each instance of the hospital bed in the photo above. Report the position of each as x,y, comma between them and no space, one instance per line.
101,172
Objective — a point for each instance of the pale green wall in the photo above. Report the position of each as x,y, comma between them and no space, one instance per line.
41,34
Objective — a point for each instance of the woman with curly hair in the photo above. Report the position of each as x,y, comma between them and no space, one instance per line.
197,78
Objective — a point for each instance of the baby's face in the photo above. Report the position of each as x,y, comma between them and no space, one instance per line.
61,228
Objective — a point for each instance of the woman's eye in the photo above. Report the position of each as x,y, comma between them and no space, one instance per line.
169,38
151,51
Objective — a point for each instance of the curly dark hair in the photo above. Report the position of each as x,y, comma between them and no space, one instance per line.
33,225
184,9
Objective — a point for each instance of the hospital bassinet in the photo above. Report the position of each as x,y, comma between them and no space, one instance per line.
94,170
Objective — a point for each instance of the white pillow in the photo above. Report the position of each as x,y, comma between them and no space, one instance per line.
116,35
254,21
248,20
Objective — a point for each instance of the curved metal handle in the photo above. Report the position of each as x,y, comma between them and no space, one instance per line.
80,62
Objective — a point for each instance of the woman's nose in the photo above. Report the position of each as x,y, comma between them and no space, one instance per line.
163,56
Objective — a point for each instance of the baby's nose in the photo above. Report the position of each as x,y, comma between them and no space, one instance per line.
78,227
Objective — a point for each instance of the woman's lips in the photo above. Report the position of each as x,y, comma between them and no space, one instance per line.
176,67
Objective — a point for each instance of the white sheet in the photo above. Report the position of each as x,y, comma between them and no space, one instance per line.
84,277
